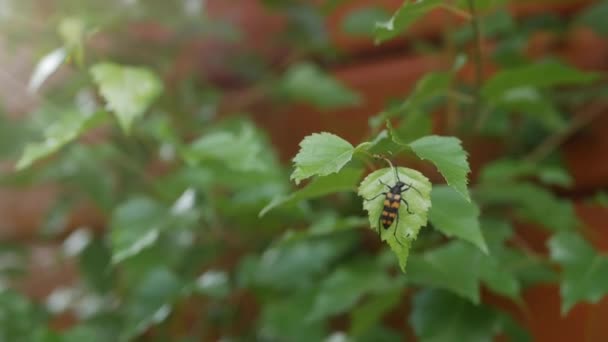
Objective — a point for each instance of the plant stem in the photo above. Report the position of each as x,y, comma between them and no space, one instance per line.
478,60
556,140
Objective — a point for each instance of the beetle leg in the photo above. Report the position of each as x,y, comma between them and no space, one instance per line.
373,198
407,205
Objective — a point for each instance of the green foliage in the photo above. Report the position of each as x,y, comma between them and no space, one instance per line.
67,129
321,154
200,228
584,270
308,83
454,216
458,319
405,16
402,233
128,91
449,158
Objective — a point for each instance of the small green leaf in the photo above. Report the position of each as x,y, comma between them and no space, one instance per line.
584,270
539,75
439,316
528,102
406,15
409,224
128,91
306,82
415,125
448,156
241,150
135,226
345,180
454,216
361,22
57,135
321,154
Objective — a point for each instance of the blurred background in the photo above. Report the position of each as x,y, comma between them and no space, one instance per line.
146,226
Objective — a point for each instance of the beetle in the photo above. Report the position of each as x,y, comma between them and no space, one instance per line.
392,202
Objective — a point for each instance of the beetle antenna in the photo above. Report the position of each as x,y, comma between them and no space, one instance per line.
390,164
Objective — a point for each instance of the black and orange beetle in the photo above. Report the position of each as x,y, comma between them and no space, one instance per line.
392,203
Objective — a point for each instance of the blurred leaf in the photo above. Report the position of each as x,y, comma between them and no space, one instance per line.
459,267
343,288
20,319
214,284
135,225
416,125
361,21
538,75
72,32
406,15
364,317
47,66
150,301
95,266
447,154
454,216
528,102
405,232
440,316
282,319
127,90
306,82
321,154
531,202
584,270
65,130
508,170
240,151
413,110
480,4
345,180
595,16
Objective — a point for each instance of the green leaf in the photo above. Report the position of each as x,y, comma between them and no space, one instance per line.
531,202
448,156
409,224
364,317
438,316
406,15
539,75
306,82
342,289
595,16
508,170
361,21
321,154
150,301
128,91
528,102
71,125
345,180
584,270
241,150
454,267
460,267
135,225
454,216
415,125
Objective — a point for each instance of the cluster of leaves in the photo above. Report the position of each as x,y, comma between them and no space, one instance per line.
222,232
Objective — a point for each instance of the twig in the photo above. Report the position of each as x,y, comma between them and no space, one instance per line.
556,140
478,60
